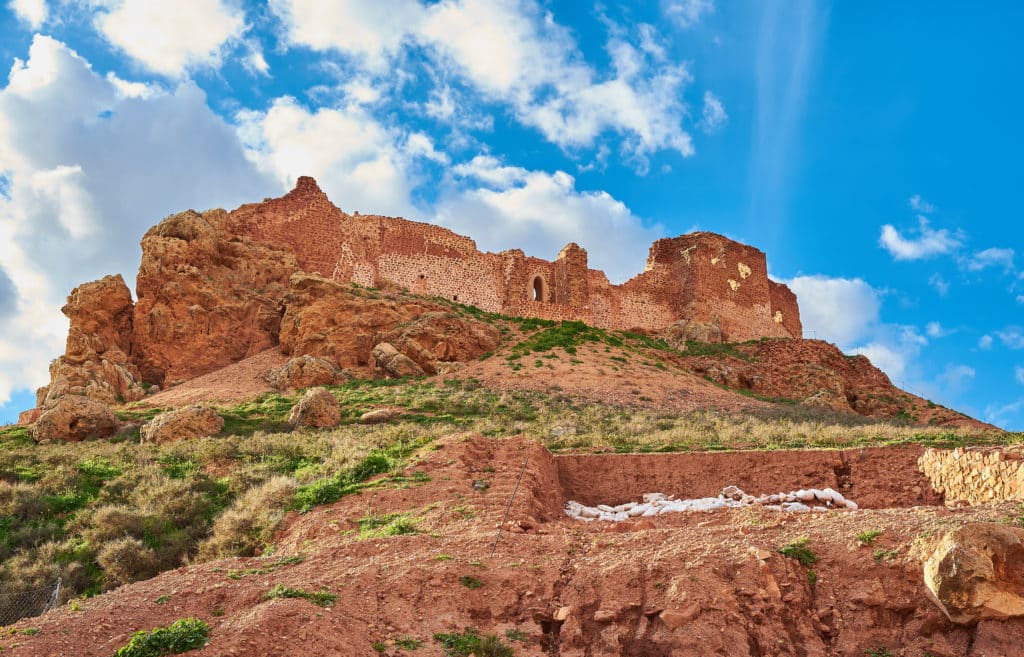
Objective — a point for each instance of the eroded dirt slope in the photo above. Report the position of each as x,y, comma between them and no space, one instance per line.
685,584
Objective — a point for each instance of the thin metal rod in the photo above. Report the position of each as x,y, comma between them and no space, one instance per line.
508,507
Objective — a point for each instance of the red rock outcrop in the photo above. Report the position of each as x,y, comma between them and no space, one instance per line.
74,418
207,297
97,362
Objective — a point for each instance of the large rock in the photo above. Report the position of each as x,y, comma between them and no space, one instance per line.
75,417
394,363
96,362
683,331
184,423
317,408
340,321
436,338
306,372
977,573
207,297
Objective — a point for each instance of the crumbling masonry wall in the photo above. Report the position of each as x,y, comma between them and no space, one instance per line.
976,475
700,277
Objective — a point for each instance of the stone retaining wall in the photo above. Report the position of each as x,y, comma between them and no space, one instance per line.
975,474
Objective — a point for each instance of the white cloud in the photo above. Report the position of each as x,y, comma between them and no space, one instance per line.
513,53
893,350
993,257
985,342
1012,337
1020,298
170,37
928,242
840,310
935,330
940,284
33,12
1018,373
360,163
1003,415
918,204
955,378
93,163
687,13
713,115
541,212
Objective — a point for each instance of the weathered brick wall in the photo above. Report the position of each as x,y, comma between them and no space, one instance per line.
976,475
701,276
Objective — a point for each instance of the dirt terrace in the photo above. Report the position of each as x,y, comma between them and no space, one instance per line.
681,584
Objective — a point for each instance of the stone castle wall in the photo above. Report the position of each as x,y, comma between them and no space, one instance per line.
700,277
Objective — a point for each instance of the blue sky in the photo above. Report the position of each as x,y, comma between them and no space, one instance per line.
871,149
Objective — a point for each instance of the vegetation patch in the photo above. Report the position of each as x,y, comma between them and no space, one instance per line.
470,642
798,550
178,637
265,570
395,524
319,598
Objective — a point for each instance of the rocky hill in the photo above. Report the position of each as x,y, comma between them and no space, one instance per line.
314,432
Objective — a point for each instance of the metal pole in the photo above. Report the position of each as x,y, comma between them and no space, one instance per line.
509,506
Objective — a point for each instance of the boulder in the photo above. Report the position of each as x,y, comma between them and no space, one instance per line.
317,408
185,423
74,418
25,418
379,415
683,331
435,339
977,573
394,363
306,372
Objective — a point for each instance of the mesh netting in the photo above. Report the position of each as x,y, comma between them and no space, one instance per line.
17,604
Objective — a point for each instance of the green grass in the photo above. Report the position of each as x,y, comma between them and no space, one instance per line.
395,524
868,537
264,570
408,643
319,598
470,642
180,636
471,582
798,550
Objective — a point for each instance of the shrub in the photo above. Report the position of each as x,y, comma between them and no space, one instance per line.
127,560
470,582
180,636
798,550
868,537
250,522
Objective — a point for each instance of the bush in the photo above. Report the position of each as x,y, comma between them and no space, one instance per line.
471,643
798,550
127,560
250,522
321,598
180,636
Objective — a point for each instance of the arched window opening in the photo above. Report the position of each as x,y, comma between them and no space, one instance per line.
539,291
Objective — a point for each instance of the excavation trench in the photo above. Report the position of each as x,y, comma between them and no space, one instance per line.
884,477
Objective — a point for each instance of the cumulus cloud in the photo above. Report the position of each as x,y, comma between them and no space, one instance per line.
841,310
33,12
985,342
935,330
90,164
541,212
928,242
514,53
359,162
893,349
993,257
8,296
687,13
171,37
713,115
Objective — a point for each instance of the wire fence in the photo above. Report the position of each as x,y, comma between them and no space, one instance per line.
15,605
